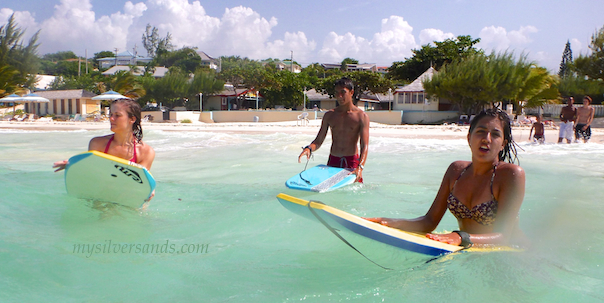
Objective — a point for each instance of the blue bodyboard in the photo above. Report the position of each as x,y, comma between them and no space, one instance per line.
321,178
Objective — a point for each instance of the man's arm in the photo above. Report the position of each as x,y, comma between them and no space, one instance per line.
592,111
316,144
364,142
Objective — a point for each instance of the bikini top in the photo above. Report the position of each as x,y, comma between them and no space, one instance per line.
134,158
483,213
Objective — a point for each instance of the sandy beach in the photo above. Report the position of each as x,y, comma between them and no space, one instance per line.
520,133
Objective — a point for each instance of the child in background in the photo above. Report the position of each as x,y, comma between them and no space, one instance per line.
539,131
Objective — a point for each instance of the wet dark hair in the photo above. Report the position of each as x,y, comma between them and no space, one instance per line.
134,110
508,153
346,83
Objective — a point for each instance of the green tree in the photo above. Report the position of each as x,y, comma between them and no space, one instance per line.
346,61
169,90
578,86
10,79
567,60
18,56
538,88
204,82
127,84
235,69
154,44
186,58
436,56
592,66
364,82
284,88
59,56
85,81
99,55
478,81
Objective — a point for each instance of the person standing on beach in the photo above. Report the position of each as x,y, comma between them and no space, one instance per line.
349,125
539,128
568,114
585,115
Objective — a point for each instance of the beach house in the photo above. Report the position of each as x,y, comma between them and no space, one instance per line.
417,107
208,61
66,103
123,58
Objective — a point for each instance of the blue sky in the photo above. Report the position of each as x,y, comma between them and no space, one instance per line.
325,31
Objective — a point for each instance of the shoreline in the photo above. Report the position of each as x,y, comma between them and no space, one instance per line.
442,132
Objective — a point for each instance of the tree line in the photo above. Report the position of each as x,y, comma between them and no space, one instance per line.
466,76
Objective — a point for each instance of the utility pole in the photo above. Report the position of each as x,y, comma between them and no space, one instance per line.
86,54
292,62
116,56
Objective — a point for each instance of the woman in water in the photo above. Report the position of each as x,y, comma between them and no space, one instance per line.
126,142
484,194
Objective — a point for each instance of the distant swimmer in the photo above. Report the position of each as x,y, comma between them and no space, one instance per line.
484,194
349,125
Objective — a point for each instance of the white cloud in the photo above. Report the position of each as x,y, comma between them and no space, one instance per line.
577,47
499,39
25,20
429,35
75,27
393,42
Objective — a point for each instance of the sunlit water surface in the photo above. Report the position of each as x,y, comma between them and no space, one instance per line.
218,190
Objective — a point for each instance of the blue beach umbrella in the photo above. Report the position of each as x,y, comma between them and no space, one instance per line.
32,98
11,98
110,95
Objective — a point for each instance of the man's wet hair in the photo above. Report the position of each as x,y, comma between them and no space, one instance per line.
346,83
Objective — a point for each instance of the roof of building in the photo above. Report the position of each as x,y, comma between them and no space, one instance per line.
416,85
205,57
66,94
159,71
313,95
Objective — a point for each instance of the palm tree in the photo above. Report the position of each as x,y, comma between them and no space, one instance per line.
539,88
204,82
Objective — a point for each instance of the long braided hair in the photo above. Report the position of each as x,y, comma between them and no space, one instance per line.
509,153
134,110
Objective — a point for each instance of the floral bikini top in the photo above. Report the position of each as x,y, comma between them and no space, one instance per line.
483,213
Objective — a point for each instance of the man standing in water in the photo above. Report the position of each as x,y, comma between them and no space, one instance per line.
568,114
585,115
349,125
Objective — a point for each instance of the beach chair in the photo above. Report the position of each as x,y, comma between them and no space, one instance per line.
303,119
75,118
44,119
20,119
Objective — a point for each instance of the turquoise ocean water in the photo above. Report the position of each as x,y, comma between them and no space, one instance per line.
216,198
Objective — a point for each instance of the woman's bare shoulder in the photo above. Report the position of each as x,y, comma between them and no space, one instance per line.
99,143
510,168
509,172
